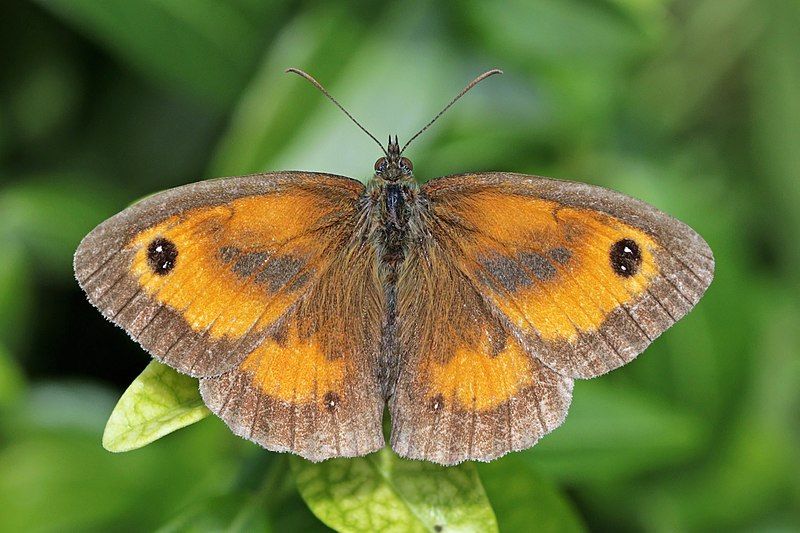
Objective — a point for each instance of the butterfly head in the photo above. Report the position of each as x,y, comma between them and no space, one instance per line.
393,167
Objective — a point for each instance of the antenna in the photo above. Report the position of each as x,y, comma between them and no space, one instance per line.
319,86
464,91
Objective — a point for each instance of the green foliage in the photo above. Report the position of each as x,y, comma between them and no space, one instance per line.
615,433
11,381
158,402
693,106
206,48
381,492
522,497
229,513
15,293
49,216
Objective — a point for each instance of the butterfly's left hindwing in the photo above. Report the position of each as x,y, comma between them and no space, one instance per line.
530,282
248,283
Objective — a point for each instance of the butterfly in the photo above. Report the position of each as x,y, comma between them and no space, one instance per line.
307,303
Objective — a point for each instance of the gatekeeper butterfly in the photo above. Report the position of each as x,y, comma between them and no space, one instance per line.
306,302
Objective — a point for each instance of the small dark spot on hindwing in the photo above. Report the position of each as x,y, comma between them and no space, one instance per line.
437,403
331,401
280,332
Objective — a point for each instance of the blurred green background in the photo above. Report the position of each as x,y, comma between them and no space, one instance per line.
691,105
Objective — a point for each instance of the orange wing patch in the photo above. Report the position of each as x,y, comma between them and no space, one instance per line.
290,368
254,255
481,377
550,269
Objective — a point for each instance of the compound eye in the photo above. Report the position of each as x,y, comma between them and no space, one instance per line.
406,165
380,165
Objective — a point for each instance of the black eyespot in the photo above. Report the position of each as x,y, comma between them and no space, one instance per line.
380,165
406,165
626,257
161,255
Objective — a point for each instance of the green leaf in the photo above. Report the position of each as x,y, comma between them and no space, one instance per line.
382,492
523,499
615,432
158,402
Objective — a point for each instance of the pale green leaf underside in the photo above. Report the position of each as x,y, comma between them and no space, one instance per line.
158,402
381,492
